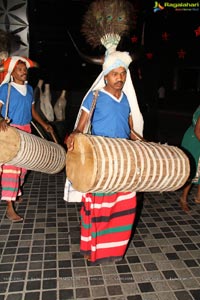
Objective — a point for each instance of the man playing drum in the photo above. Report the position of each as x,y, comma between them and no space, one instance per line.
107,218
19,114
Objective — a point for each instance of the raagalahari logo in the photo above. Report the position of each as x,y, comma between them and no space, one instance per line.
189,6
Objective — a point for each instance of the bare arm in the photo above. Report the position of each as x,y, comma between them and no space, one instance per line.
38,119
197,129
3,122
134,135
79,129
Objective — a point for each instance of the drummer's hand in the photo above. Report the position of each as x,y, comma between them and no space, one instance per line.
70,142
3,125
136,137
49,128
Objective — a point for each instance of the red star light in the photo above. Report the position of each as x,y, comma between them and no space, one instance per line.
134,39
149,55
165,36
181,54
197,31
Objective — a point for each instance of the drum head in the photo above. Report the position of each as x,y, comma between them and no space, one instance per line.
9,144
81,164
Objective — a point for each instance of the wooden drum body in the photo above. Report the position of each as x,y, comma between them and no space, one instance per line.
28,151
99,164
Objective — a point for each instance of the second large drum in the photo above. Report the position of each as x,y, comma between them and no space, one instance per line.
31,152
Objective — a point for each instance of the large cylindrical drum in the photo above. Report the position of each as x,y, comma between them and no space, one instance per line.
101,164
31,152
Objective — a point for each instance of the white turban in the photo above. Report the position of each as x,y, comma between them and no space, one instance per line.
10,63
115,60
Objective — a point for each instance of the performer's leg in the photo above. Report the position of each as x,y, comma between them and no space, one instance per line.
85,242
11,213
197,199
10,178
21,183
184,198
107,222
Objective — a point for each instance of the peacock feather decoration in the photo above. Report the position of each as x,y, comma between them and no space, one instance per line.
106,21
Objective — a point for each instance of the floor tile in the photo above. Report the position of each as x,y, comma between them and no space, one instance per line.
40,258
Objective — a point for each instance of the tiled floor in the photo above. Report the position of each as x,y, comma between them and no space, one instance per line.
40,257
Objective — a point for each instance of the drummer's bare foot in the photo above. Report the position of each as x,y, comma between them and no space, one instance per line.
87,257
184,205
197,200
19,199
11,214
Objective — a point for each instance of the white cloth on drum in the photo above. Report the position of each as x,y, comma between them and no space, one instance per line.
70,194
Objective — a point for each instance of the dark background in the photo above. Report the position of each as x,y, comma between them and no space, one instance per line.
50,44
62,66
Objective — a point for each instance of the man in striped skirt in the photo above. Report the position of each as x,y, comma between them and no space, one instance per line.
16,109
107,218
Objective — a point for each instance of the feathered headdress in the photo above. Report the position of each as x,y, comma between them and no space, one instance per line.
106,21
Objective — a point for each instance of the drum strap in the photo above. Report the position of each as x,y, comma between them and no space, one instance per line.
87,128
7,102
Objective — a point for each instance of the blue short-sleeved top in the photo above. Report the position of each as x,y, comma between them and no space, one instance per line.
20,106
110,117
